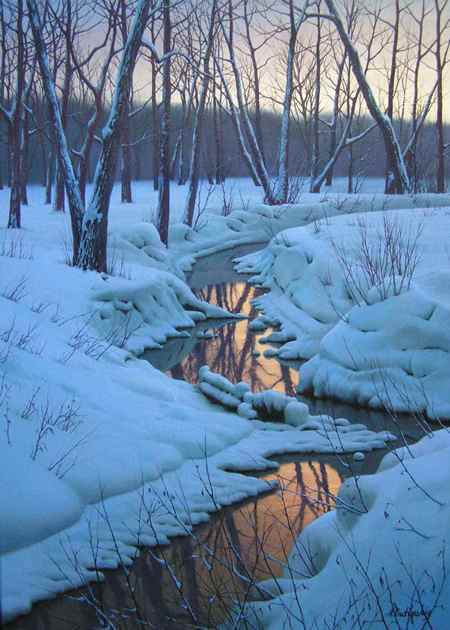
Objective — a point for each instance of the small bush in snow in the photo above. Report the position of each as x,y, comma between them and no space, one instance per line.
116,263
385,262
227,200
201,207
15,291
295,188
14,247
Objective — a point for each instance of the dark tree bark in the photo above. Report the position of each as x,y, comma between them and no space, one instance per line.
440,144
59,196
164,168
125,172
48,178
25,151
16,127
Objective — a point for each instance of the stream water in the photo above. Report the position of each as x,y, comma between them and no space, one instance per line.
185,584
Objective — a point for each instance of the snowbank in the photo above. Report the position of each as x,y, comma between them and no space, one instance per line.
370,345
258,223
381,557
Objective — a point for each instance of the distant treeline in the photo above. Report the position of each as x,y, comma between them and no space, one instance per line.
220,153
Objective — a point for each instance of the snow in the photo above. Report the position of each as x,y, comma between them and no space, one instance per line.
380,557
111,451
385,346
270,408
250,220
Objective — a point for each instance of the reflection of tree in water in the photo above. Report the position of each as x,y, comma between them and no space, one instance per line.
195,580
242,545
232,351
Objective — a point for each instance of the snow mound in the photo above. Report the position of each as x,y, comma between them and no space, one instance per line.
37,503
140,315
380,556
275,407
392,354
385,345
307,292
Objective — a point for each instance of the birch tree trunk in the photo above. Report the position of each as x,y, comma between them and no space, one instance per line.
315,160
282,184
155,116
242,123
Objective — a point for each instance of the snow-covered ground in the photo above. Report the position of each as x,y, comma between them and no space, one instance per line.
380,560
250,221
234,214
101,452
373,333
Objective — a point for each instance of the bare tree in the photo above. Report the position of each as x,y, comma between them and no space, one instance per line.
126,192
282,183
248,143
20,72
441,52
89,227
198,118
399,181
344,88
94,80
164,134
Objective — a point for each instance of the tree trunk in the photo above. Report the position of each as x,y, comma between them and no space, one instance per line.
282,184
126,191
218,139
244,129
256,83
16,128
316,118
125,171
25,150
14,219
59,198
334,122
391,94
350,171
440,146
48,178
155,117
164,168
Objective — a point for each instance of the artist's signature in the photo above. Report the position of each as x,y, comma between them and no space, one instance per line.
398,612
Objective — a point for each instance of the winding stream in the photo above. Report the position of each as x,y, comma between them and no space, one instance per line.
180,586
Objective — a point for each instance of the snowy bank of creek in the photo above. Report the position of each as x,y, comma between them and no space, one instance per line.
176,585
